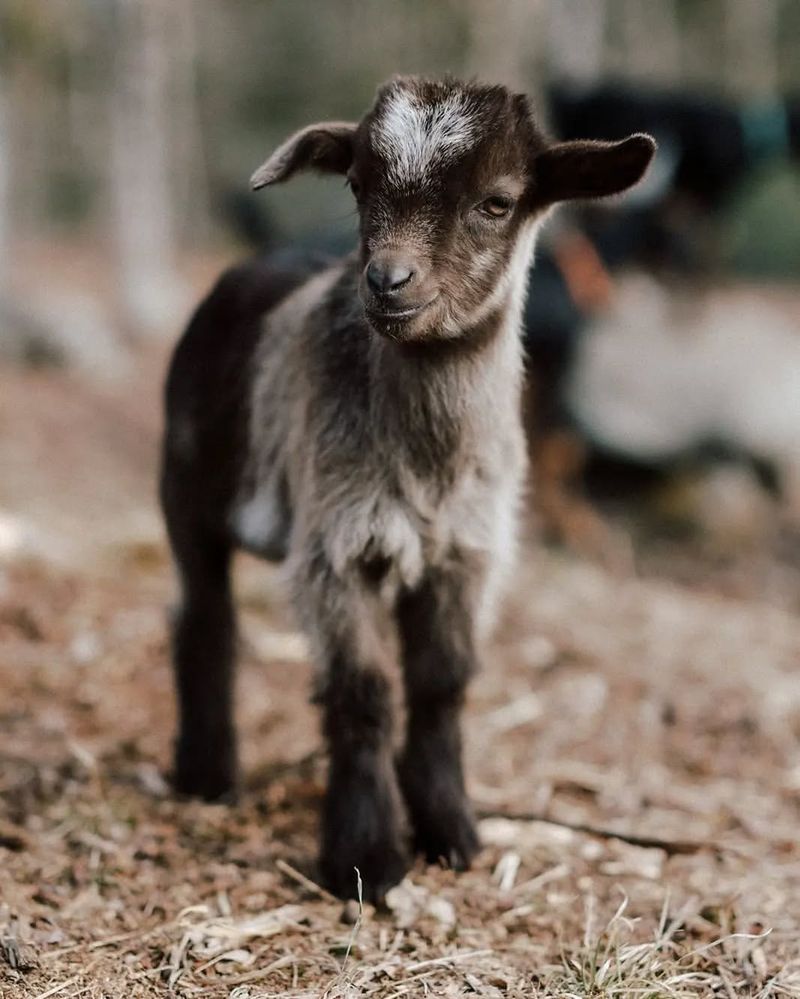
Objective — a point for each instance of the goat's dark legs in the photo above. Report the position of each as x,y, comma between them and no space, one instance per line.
436,633
362,821
203,655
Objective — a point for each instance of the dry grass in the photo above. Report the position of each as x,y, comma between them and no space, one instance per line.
633,747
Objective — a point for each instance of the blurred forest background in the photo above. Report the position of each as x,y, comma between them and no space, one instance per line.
636,733
128,128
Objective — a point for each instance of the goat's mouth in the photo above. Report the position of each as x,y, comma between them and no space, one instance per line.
385,319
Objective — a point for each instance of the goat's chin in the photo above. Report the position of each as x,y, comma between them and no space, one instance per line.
421,324
400,331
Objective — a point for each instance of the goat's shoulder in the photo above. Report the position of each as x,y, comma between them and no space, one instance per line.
225,329
249,290
316,357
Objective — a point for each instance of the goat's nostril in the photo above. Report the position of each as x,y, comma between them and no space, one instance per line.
388,275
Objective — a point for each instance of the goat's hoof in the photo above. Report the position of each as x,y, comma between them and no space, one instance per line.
199,775
448,837
219,789
381,866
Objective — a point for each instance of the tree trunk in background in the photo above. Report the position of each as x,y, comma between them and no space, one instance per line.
192,197
650,41
576,31
702,54
143,221
751,35
5,190
505,41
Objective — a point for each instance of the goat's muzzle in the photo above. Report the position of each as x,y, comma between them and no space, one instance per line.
395,290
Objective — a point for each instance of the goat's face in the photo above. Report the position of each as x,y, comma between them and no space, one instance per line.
450,180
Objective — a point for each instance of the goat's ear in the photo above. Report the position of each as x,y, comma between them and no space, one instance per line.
587,169
327,147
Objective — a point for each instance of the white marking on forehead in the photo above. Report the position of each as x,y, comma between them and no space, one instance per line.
414,136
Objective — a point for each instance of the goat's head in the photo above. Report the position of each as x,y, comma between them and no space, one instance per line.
450,180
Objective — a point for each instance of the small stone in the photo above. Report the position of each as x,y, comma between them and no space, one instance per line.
350,912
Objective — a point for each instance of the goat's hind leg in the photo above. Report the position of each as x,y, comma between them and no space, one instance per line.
203,641
436,623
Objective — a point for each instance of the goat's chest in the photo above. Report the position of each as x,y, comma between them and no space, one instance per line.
411,522
466,514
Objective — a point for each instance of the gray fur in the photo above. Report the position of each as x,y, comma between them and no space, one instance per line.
424,461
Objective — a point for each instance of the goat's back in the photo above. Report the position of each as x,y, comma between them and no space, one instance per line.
207,397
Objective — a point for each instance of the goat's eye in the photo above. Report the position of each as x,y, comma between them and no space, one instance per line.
495,207
354,186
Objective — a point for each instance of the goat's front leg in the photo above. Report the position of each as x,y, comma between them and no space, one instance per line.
363,822
436,623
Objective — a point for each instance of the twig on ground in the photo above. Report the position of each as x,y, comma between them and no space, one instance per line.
55,989
250,976
448,959
357,924
109,941
727,984
307,883
670,847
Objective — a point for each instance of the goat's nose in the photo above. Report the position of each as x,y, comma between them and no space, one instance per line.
388,274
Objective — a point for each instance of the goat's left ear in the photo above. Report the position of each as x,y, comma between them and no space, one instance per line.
327,147
587,169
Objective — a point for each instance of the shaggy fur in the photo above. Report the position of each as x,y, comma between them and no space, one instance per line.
371,436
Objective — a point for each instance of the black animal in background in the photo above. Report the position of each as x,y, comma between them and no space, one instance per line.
708,147
712,143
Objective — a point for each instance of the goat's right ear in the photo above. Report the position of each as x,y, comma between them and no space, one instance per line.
327,147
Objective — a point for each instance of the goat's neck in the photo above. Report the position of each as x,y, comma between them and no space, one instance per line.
471,381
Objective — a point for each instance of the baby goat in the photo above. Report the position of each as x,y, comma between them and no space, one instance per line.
365,425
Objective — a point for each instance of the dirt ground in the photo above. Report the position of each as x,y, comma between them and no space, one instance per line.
633,749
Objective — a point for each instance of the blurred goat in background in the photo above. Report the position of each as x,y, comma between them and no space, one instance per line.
645,376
